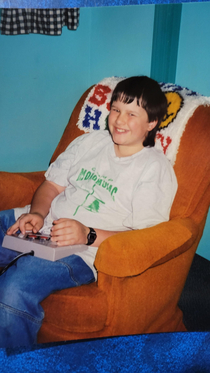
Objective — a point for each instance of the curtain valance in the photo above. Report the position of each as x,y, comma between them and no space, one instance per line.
38,21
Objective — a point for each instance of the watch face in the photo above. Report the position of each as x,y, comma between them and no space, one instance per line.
91,236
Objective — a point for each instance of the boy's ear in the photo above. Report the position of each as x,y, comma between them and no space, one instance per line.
152,125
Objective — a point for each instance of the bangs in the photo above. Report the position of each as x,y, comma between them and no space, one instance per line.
125,97
128,90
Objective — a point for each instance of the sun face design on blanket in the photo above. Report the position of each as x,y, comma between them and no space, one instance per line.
182,103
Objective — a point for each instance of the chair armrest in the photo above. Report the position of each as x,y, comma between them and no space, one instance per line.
17,189
133,252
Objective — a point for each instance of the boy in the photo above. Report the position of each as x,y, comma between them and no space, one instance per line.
110,180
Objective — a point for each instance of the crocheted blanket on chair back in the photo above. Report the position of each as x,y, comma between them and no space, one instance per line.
182,103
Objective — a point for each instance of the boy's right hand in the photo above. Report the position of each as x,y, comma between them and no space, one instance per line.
27,222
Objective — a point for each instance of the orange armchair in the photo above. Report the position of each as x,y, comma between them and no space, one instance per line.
141,273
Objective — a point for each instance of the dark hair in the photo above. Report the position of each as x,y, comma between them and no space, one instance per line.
148,94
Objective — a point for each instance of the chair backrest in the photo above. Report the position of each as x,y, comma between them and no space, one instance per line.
192,168
183,137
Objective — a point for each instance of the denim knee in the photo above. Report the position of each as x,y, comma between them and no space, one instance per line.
20,320
17,296
24,285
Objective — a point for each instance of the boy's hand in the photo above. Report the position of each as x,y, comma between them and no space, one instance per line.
69,232
27,222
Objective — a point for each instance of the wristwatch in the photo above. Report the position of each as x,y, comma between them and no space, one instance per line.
91,237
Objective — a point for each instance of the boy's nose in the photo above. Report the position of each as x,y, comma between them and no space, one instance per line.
121,118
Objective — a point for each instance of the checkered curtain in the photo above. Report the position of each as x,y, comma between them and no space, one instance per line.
38,21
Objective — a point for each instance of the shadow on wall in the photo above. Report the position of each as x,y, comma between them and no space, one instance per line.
195,298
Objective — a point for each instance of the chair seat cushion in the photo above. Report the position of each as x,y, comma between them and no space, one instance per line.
82,309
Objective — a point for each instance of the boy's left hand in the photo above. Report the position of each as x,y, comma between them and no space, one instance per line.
69,232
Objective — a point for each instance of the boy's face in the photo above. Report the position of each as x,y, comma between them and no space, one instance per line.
128,125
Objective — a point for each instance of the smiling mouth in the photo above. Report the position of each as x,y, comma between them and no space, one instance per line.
119,130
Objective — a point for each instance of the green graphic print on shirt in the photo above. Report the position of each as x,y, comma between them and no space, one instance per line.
102,181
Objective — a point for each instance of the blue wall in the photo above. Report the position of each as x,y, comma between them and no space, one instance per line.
193,64
41,80
42,77
121,41
193,68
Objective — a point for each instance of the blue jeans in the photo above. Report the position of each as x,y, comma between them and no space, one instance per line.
25,284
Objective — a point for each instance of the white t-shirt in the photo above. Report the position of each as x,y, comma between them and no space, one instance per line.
107,192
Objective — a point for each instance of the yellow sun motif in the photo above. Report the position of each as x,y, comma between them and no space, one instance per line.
175,102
